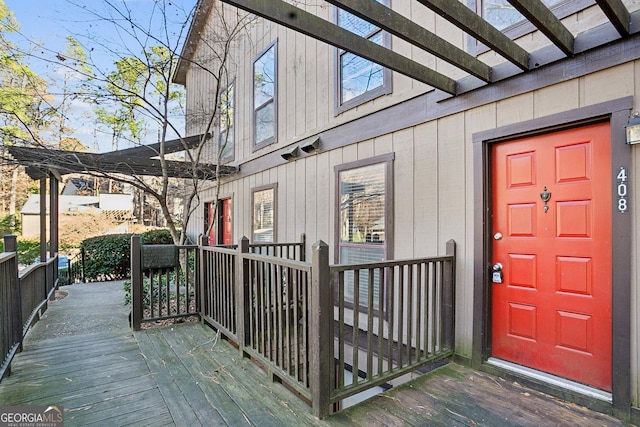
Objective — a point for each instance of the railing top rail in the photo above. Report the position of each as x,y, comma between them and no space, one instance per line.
336,268
30,269
219,250
177,246
284,262
274,245
4,256
186,246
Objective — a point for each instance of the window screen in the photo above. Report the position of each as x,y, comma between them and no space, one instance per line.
263,215
264,94
501,14
362,225
226,143
357,75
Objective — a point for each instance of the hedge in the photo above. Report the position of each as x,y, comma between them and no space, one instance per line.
109,257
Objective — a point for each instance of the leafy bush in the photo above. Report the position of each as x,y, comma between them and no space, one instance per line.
156,237
158,292
109,257
10,224
28,250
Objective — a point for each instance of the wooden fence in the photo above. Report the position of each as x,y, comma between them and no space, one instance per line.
23,299
164,282
296,320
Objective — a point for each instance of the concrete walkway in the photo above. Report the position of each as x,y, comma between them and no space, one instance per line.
88,308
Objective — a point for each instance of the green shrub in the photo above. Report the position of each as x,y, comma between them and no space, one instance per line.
159,291
109,257
9,224
156,237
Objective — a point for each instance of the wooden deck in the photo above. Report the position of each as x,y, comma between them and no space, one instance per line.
184,375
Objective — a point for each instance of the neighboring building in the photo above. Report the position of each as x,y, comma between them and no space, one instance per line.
527,171
118,207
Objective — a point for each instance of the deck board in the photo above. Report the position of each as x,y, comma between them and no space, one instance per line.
186,375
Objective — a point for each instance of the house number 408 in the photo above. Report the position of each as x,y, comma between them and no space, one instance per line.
621,181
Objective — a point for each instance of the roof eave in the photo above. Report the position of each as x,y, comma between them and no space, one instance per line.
200,18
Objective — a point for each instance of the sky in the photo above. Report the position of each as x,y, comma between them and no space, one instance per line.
49,22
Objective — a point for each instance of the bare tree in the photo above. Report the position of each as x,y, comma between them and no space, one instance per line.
141,92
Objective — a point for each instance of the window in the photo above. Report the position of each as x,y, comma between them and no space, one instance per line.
226,142
264,97
501,14
364,204
360,80
264,214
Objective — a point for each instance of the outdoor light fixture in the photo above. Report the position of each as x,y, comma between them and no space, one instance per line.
310,144
290,153
633,129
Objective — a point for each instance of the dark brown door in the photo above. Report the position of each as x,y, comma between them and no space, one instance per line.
552,311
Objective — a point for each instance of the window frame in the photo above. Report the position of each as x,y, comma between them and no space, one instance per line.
274,188
387,160
274,100
229,130
384,89
523,27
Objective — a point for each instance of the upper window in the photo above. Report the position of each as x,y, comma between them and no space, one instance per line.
226,141
501,14
364,206
264,97
360,80
264,214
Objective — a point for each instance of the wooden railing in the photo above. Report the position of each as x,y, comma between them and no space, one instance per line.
409,322
23,299
282,313
164,282
219,266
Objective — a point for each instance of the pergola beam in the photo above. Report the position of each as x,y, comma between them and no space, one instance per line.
542,17
306,23
468,21
617,14
172,146
409,31
39,161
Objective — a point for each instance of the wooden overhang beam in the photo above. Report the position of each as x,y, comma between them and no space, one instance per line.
39,161
172,146
617,14
409,31
471,23
545,21
306,23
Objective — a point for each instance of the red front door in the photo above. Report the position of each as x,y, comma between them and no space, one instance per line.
552,312
226,224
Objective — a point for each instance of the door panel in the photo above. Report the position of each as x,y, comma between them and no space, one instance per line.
226,221
553,310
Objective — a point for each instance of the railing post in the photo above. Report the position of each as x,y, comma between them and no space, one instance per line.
15,294
11,244
200,297
321,331
448,298
303,247
136,283
242,294
82,278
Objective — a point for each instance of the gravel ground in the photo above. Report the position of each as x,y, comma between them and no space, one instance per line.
88,308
